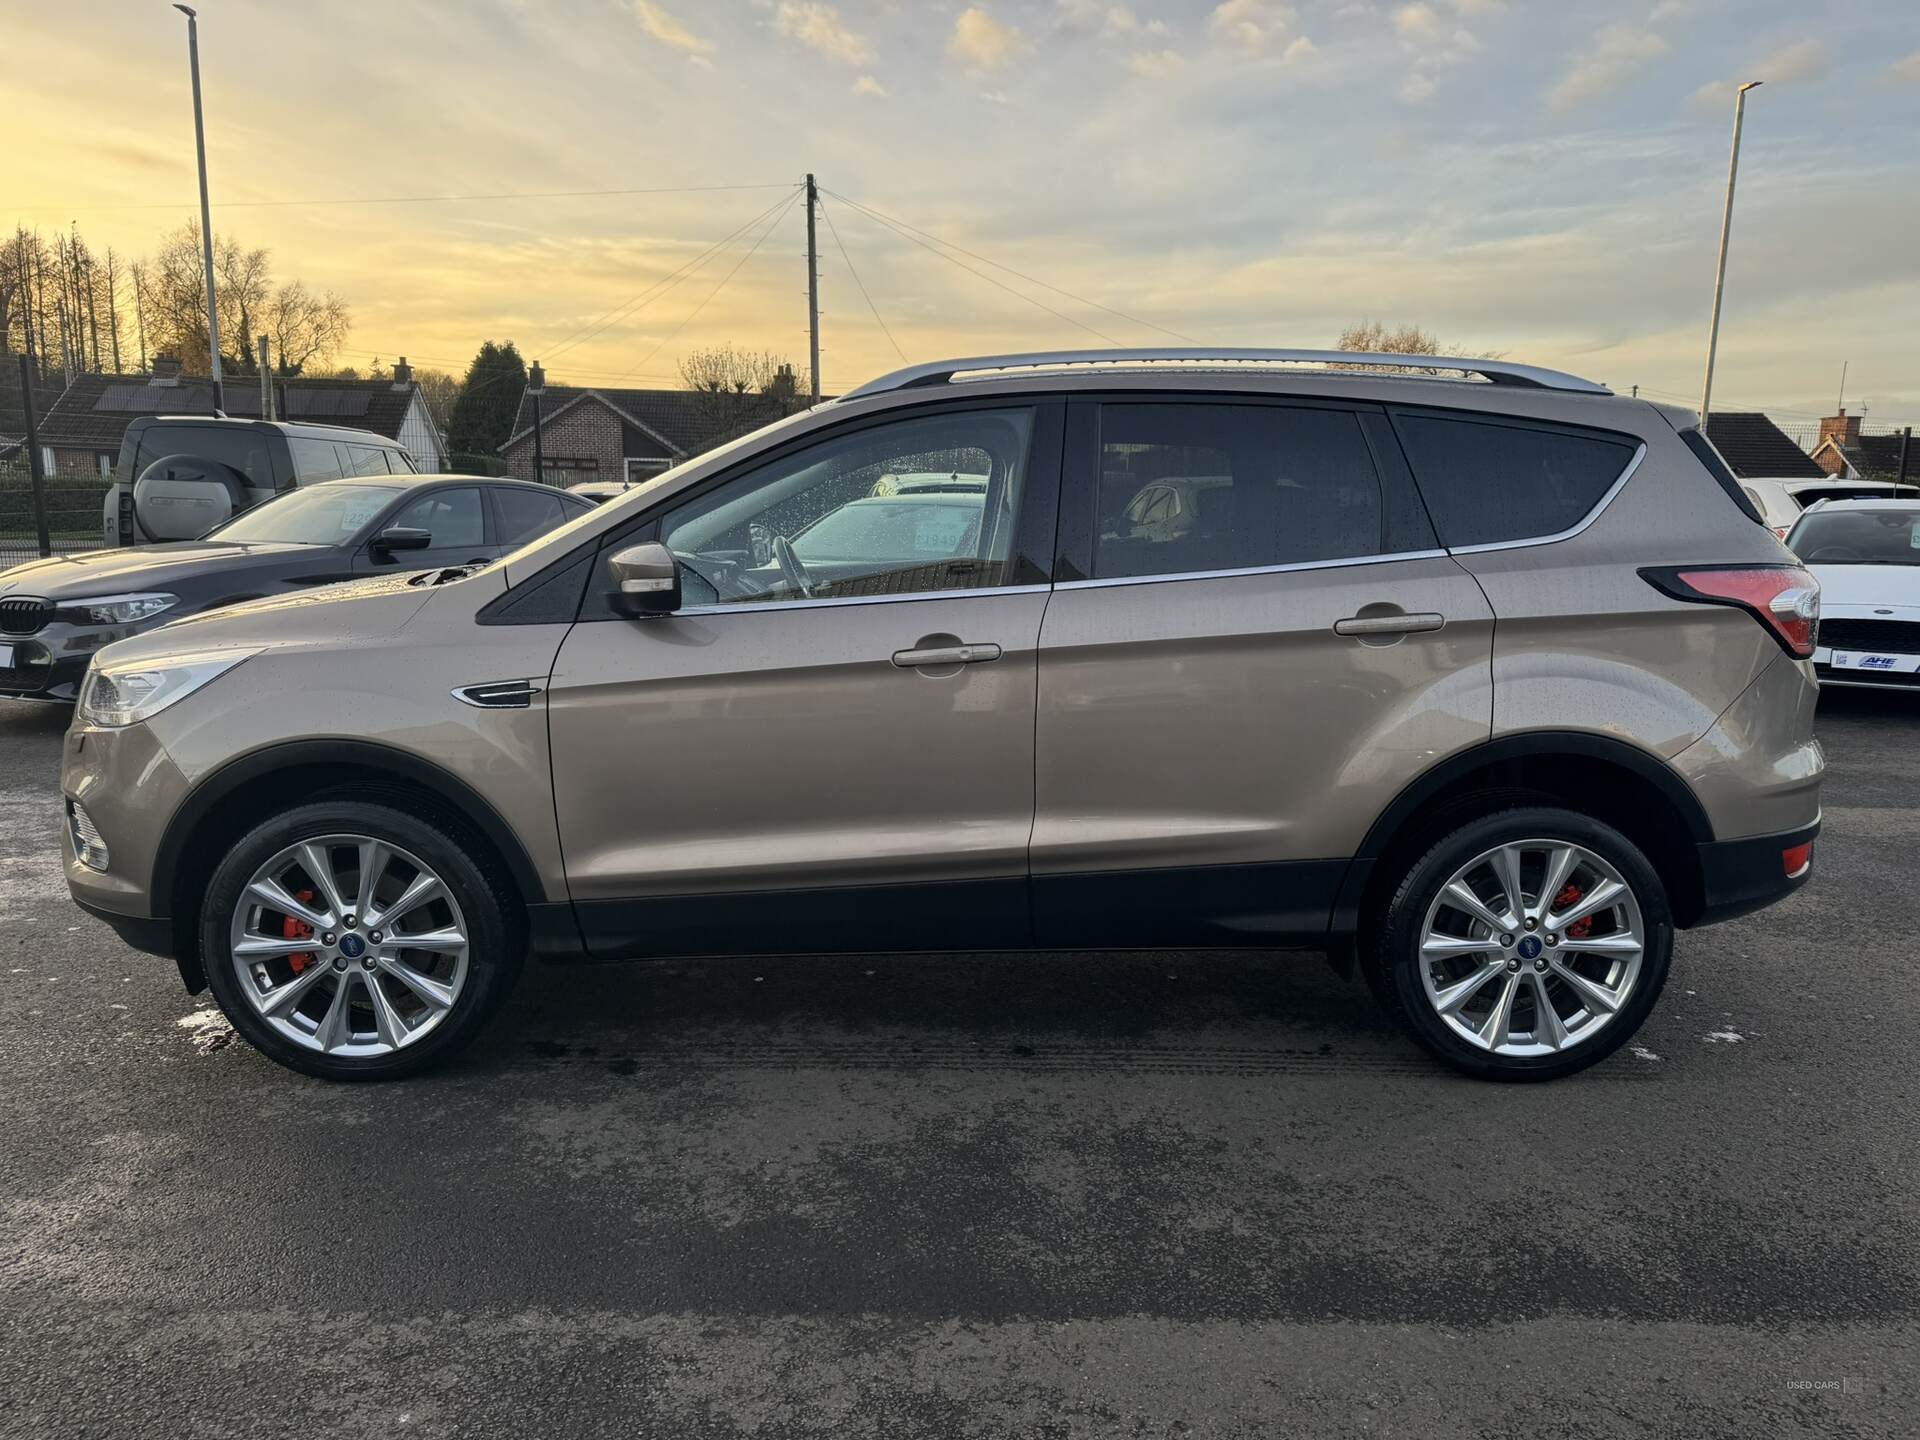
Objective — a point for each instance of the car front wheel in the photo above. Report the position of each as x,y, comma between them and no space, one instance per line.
350,940
1528,944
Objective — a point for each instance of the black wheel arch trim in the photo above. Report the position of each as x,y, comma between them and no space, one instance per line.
363,754
1344,923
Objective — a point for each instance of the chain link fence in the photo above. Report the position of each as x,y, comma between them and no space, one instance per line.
75,514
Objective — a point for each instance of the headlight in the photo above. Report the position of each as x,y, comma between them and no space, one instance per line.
119,609
129,692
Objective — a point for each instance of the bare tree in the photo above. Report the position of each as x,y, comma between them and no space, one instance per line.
1377,338
723,370
305,327
439,390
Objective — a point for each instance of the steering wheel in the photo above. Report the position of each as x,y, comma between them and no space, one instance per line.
1834,552
791,569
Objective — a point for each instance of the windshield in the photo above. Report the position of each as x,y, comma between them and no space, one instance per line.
326,514
1858,537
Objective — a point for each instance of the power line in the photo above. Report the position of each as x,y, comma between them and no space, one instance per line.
634,304
1030,279
407,199
758,242
997,284
834,231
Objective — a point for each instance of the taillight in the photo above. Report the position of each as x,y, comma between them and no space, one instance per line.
1784,598
1796,860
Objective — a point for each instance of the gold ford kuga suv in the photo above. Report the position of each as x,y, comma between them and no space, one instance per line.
1485,682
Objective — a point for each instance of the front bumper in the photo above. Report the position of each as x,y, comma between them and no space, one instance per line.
50,663
1902,674
130,788
1740,876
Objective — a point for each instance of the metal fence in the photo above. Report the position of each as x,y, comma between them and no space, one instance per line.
75,511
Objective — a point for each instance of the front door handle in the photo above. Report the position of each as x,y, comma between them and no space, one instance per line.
1400,624
945,655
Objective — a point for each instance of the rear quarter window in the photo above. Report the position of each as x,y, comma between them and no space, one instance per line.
1489,482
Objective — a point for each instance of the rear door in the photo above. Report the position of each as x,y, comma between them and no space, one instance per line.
825,753
1254,643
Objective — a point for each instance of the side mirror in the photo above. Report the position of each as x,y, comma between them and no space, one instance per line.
646,580
401,537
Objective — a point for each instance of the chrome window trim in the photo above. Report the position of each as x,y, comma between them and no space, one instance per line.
1341,563
751,607
1599,508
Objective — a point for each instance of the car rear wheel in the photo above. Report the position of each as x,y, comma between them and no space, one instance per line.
350,940
1527,945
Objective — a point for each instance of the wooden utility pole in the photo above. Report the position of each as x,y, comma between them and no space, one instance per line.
266,381
36,471
813,293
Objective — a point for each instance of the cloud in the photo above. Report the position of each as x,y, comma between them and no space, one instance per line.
981,42
1250,24
1669,10
868,86
1616,53
820,28
1907,71
662,25
1154,62
1417,21
1801,61
1298,52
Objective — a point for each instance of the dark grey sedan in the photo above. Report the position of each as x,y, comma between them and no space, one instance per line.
55,613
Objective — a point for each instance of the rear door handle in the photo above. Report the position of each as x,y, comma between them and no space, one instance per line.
1388,624
945,655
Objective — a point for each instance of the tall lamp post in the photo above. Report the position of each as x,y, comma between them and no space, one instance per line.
206,219
536,387
1726,229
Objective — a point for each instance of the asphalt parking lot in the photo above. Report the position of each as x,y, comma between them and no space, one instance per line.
1025,1195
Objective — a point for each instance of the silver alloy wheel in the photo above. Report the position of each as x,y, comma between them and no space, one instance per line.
349,945
1532,947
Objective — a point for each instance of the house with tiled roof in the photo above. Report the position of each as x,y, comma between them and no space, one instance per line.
624,436
1757,449
1843,451
80,434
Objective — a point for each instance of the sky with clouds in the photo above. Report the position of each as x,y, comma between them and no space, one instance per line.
1527,176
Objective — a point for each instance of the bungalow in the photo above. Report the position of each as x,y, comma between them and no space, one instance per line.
1844,452
625,436
80,434
1757,449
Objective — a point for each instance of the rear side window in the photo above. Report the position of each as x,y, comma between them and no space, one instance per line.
315,460
1489,483
1197,487
523,514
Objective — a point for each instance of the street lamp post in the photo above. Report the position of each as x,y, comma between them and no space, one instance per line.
1726,229
206,219
536,387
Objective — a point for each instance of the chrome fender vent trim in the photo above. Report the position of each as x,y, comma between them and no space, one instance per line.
499,694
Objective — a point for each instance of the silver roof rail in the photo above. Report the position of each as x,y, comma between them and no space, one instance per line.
1499,372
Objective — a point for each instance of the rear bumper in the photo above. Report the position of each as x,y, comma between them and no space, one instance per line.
1740,876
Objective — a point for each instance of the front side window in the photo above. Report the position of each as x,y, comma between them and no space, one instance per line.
918,505
1489,483
452,517
1189,488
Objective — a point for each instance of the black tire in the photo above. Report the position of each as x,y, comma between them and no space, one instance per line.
495,946
1398,945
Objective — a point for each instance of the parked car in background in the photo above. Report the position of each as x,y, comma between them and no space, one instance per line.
178,476
1488,686
1866,554
55,613
598,492
1781,502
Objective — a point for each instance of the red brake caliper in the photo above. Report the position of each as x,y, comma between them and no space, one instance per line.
1580,929
298,930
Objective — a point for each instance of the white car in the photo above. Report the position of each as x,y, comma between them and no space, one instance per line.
1866,554
1781,502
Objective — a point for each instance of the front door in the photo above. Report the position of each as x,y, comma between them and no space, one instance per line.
457,520
1260,645
831,745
